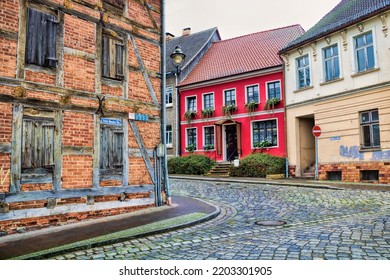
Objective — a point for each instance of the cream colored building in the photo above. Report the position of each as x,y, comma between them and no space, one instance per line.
337,76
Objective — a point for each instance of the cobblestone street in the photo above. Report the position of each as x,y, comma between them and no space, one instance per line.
321,224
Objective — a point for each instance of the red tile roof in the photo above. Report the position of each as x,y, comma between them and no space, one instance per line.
243,54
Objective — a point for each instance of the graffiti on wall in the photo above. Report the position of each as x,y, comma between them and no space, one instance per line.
355,152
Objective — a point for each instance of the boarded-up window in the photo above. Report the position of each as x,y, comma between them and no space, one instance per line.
37,149
111,151
112,58
41,39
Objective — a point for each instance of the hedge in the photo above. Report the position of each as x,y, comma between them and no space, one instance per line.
191,164
259,165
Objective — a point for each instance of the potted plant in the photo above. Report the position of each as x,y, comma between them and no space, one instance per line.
191,148
189,115
251,106
262,145
208,147
227,110
270,104
207,113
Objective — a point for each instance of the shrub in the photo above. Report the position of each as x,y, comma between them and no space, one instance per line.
259,165
191,164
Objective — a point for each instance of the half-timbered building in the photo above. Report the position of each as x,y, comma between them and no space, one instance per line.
79,109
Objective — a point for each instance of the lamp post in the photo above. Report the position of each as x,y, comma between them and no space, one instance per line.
178,58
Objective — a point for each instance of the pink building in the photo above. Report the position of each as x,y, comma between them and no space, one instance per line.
232,103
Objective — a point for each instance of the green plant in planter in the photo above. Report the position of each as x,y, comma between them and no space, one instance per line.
208,147
270,104
227,110
191,148
189,115
251,106
207,113
262,145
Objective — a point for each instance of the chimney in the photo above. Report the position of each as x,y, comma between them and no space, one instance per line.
186,31
169,36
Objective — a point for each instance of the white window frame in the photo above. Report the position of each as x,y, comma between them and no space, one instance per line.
166,103
246,93
235,95
274,81
354,53
277,131
297,72
196,103
204,136
208,93
196,133
169,145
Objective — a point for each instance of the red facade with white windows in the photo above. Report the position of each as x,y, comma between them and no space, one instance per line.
234,135
243,74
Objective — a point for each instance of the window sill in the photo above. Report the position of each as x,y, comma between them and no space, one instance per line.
377,149
331,81
42,69
357,74
169,146
168,105
111,81
303,89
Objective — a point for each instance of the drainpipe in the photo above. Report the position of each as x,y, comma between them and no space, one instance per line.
163,108
177,118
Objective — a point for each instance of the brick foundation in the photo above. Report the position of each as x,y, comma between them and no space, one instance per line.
351,172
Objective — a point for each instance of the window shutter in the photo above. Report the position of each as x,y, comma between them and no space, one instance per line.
41,39
111,150
33,42
119,52
51,37
106,57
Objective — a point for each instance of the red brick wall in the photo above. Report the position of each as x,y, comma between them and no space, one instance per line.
79,73
5,165
10,226
79,34
112,90
9,11
40,77
351,172
5,122
77,129
7,57
36,187
76,172
138,173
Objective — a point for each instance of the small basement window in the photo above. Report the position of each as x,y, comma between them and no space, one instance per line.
369,175
334,175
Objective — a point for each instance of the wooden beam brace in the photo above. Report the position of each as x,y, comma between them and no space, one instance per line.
143,150
143,70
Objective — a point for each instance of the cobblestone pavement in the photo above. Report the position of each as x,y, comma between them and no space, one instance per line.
321,224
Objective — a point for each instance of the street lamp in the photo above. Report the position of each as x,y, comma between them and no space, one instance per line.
178,57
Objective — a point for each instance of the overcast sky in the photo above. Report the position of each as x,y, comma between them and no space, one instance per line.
240,17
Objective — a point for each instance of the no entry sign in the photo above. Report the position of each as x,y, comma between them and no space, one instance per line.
316,131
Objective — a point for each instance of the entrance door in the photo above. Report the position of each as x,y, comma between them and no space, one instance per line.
231,142
307,156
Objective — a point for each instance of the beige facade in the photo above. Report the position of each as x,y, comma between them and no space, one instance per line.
341,105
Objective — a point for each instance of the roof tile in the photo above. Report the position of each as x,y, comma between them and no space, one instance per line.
243,54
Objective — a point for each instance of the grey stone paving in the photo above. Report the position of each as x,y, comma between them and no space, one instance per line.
321,224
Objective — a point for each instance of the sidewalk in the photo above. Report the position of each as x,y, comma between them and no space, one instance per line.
184,212
50,241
